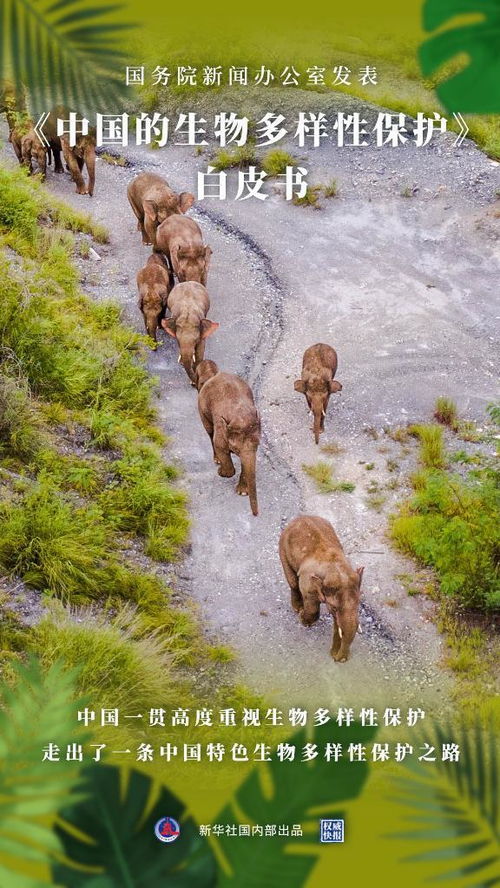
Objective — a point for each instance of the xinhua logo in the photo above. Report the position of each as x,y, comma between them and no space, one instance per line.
167,829
331,830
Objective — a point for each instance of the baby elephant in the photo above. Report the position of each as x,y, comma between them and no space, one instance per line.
33,149
152,200
319,366
229,415
188,304
153,282
318,571
181,240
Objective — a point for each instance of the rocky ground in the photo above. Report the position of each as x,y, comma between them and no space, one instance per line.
406,289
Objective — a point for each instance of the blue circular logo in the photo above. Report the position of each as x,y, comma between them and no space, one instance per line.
167,829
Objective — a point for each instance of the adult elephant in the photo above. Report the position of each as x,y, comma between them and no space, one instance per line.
76,156
13,105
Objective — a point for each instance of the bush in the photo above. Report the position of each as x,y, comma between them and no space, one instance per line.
432,452
275,162
19,428
452,526
445,411
126,670
53,545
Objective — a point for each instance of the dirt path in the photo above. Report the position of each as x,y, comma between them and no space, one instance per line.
405,290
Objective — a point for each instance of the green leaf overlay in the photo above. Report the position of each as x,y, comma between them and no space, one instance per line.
118,844
476,88
37,710
453,807
63,52
287,792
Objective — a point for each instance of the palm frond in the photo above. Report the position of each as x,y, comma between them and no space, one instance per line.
452,807
64,53
37,710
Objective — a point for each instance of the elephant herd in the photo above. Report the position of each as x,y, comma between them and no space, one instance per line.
311,554
34,154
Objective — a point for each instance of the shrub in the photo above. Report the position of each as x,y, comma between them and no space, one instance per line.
241,156
19,427
322,474
275,162
432,453
445,411
452,526
126,670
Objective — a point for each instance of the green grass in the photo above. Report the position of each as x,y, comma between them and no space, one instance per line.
275,161
113,159
445,411
451,525
322,475
432,451
85,490
127,669
310,198
241,156
331,189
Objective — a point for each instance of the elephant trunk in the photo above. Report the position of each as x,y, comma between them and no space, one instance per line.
347,626
317,423
188,359
249,460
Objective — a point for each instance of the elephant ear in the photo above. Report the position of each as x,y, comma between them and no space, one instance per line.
208,253
169,326
300,386
150,209
208,327
186,200
335,386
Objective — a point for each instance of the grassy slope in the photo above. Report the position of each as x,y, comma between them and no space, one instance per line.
87,502
450,525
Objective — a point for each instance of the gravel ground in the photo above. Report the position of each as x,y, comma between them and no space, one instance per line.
406,289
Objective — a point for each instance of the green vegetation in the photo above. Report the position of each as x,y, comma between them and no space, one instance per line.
113,159
445,411
432,451
322,474
241,156
331,189
451,525
87,501
275,162
310,198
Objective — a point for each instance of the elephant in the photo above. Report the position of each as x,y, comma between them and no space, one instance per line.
317,570
230,418
188,304
13,105
33,149
319,366
181,240
152,201
83,152
154,284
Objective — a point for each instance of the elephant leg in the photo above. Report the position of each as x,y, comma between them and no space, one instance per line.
74,169
89,158
293,581
242,487
58,167
209,428
222,453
